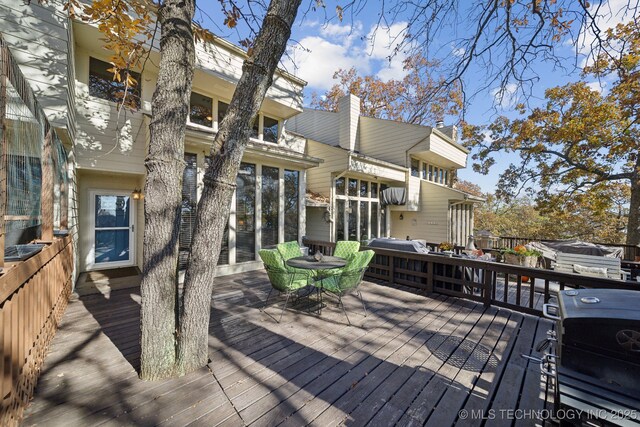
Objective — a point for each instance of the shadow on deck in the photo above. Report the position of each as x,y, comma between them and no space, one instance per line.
414,360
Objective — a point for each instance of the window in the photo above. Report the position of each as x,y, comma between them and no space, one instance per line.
246,213
255,130
353,187
340,219
200,110
364,189
424,171
446,177
103,85
222,111
340,186
270,205
430,176
357,209
270,130
188,208
291,205
415,165
364,220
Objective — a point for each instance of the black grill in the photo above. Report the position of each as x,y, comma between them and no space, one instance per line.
596,358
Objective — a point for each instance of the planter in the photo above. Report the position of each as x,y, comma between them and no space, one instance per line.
524,261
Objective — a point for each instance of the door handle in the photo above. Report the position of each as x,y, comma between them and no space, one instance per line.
133,227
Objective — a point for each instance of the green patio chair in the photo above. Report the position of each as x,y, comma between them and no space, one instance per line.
346,248
289,250
349,279
284,281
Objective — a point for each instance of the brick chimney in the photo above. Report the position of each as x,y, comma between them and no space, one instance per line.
348,114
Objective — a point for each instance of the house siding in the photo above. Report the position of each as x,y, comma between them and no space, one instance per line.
38,38
443,148
431,222
317,125
388,140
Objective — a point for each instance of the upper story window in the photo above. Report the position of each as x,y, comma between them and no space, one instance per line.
255,130
200,111
105,85
415,167
270,129
222,111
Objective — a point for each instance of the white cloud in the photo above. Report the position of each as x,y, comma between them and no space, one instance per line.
597,86
458,52
336,30
609,14
322,60
382,45
344,46
505,97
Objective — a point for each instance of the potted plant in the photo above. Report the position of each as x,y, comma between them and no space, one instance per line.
520,255
446,248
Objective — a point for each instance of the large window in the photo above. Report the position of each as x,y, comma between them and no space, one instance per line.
269,129
102,84
415,166
436,174
270,205
188,208
357,215
291,205
200,110
246,213
222,110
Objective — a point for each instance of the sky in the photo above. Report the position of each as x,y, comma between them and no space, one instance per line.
321,44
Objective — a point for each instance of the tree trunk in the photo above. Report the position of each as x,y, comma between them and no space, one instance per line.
165,166
220,181
633,223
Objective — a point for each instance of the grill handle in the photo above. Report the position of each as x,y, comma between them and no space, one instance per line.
546,310
546,364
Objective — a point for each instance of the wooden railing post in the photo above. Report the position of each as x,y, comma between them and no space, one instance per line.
46,200
430,267
487,286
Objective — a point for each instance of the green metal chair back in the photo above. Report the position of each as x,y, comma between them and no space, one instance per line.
360,260
289,250
346,248
281,279
272,258
351,275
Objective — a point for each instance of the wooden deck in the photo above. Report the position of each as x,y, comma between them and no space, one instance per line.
414,360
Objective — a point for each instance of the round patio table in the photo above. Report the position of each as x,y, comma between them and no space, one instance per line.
321,267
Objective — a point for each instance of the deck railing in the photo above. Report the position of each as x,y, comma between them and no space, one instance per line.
33,297
34,292
630,252
492,283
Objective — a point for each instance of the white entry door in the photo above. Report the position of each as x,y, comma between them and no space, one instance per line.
113,229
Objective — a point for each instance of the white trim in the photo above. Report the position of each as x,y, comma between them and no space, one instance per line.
91,262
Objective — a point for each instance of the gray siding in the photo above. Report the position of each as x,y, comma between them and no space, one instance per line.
317,125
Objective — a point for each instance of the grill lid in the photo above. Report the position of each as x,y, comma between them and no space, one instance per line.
599,304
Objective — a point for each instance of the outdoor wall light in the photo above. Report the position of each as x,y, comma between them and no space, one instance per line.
137,194
401,217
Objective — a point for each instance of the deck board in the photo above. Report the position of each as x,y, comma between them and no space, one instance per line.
414,360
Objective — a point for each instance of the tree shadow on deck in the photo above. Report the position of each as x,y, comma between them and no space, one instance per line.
276,373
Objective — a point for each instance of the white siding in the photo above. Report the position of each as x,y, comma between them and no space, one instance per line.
432,222
348,116
376,170
37,36
317,125
317,227
388,140
451,152
335,161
